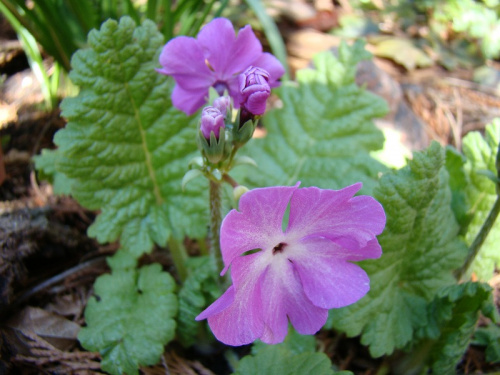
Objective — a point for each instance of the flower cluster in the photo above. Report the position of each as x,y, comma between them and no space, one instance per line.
233,65
214,59
298,274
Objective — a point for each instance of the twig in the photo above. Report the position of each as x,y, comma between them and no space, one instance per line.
100,261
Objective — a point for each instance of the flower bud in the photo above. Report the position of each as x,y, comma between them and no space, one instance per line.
212,120
254,89
223,104
212,136
238,191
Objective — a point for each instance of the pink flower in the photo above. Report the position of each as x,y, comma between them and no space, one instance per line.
214,59
298,274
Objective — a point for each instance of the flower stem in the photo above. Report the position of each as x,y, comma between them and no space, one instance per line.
215,222
478,241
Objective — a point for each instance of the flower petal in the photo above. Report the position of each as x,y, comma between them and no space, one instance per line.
182,58
258,224
236,317
336,215
283,297
272,65
329,281
220,304
226,53
188,101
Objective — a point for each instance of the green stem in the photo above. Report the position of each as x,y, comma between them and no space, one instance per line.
478,241
215,222
179,256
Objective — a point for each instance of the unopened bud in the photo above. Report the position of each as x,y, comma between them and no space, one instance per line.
254,89
212,120
223,104
238,191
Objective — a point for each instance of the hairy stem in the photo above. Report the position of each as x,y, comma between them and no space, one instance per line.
215,222
478,241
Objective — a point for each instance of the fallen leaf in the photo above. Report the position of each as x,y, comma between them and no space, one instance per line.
403,51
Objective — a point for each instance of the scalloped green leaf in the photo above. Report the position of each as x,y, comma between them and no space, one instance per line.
455,162
130,318
481,195
420,251
322,134
125,147
296,355
45,163
294,342
199,289
454,314
489,336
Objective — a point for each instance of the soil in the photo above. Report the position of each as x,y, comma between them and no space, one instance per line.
48,264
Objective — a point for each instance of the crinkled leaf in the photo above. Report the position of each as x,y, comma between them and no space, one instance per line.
490,337
296,355
125,146
458,183
323,133
294,342
453,314
281,359
130,319
46,166
198,291
420,251
481,195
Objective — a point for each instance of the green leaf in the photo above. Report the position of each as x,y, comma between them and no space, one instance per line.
420,251
198,291
296,355
489,336
294,342
458,183
45,163
125,146
277,360
130,319
454,313
481,195
323,133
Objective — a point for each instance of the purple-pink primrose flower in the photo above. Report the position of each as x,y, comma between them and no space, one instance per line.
254,88
211,121
298,274
214,59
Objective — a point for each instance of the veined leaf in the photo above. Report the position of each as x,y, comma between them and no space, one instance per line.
323,133
198,291
296,355
130,319
489,336
46,166
454,314
420,251
481,195
125,147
